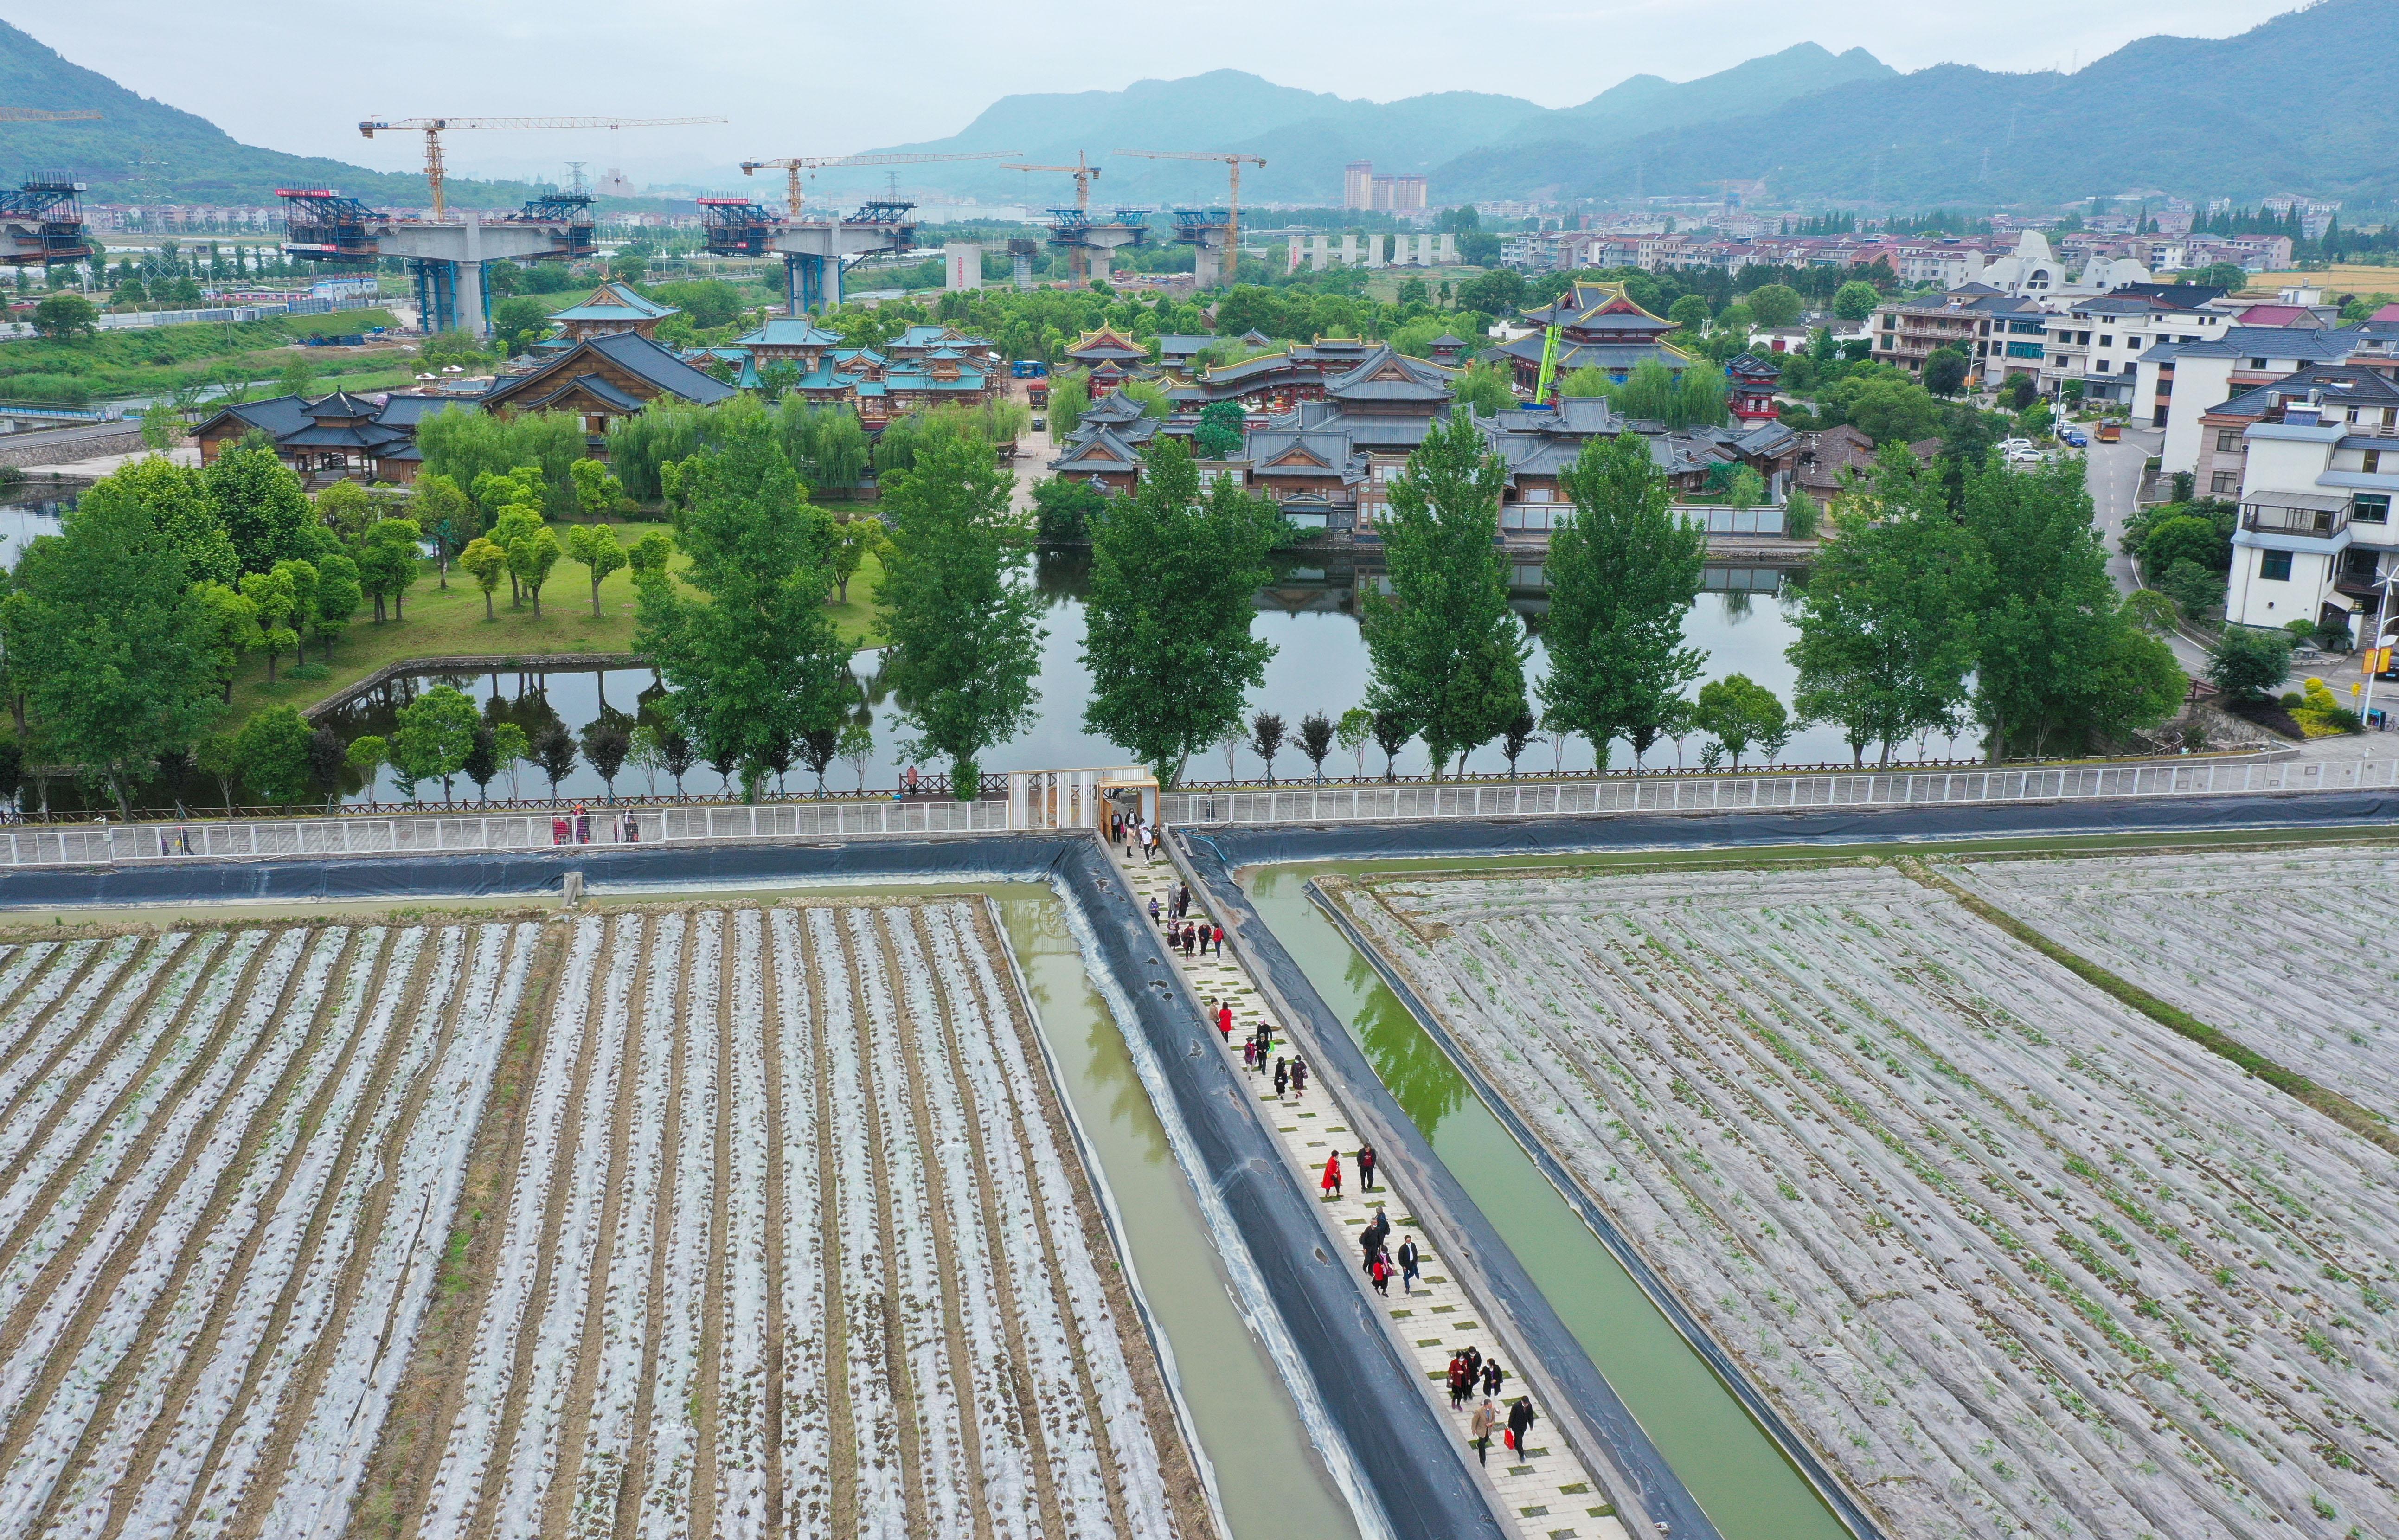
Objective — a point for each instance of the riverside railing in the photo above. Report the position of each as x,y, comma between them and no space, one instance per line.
1389,803
102,844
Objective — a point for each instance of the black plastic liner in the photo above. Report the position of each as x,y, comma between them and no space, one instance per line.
1395,1441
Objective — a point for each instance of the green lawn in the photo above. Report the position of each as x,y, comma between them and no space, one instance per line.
449,623
166,358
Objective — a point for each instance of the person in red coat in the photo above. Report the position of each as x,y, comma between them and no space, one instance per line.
1333,1174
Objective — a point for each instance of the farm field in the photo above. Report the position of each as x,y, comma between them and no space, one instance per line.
2009,1256
794,1242
228,1162
2277,948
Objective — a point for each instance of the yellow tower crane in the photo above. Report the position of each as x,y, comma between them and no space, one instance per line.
434,127
794,165
1082,171
1232,202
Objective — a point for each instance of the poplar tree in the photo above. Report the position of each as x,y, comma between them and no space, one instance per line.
1167,624
742,635
1622,574
1448,654
958,607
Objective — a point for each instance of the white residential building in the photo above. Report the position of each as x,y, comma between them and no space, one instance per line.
2187,372
2315,531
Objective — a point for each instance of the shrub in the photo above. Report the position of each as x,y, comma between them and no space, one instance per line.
2246,664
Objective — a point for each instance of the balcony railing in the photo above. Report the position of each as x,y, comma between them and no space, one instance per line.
2316,523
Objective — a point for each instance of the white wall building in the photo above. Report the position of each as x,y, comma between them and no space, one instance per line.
2315,531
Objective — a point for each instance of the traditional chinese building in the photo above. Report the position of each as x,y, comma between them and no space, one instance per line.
612,307
1109,356
603,378
1599,327
1750,383
336,437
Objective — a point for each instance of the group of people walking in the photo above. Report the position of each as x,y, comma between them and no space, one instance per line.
1183,933
1470,1372
1134,833
575,828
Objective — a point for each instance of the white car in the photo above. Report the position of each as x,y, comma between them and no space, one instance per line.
2027,456
2009,446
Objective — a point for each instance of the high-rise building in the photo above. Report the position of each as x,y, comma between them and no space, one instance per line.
1398,195
1357,184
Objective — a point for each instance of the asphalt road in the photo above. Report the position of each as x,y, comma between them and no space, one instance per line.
2113,474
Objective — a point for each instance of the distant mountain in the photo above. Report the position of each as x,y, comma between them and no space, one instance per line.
2306,102
1307,137
143,151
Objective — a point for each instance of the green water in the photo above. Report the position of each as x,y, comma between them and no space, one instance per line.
1269,1476
1735,1472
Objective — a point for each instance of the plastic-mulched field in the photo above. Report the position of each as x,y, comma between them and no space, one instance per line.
228,1163
797,1247
2291,951
2013,1258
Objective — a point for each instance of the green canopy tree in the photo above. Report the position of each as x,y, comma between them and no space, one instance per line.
1855,301
1219,434
273,750
260,504
1887,621
597,548
177,499
1622,574
1167,624
1737,711
108,644
741,636
1448,654
448,517
961,619
434,734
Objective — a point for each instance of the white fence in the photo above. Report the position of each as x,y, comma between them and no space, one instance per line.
99,844
1064,800
1736,794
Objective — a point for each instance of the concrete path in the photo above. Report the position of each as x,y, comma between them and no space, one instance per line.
1547,1494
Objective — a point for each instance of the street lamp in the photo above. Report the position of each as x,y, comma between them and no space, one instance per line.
2380,638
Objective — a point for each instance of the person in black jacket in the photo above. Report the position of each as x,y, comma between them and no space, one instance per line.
1519,1423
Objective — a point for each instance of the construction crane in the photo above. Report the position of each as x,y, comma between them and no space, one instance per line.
434,127
1082,171
37,114
1232,203
794,165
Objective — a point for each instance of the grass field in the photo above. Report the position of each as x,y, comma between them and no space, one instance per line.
450,623
166,358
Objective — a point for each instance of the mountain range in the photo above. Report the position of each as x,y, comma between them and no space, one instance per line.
2306,102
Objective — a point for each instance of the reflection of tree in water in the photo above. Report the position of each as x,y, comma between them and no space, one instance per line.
530,710
1736,606
1062,574
1413,1067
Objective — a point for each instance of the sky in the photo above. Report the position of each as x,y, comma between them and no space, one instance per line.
816,78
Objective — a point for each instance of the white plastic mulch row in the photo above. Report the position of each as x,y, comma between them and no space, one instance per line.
2290,950
254,1120
745,1016
2011,1256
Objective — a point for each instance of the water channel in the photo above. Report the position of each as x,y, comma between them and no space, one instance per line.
1731,1466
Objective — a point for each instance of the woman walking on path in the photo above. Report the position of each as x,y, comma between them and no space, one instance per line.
1519,1423
1248,1053
1332,1184
1366,1169
1409,1259
1493,1378
1456,1381
1298,1075
1225,1022
1282,1077
1381,1273
1486,1417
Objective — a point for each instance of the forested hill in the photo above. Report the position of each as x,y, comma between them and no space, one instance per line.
2306,102
143,151
1307,137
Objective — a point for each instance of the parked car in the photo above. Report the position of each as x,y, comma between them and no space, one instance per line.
2009,446
2025,457
1040,425
2077,438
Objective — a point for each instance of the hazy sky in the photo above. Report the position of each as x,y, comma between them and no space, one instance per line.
819,79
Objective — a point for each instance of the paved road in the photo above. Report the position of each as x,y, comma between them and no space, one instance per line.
2114,476
65,438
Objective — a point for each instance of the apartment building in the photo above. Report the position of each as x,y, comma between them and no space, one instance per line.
2180,383
2315,534
2001,334
2349,395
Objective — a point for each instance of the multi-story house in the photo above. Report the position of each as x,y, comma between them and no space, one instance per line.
2000,334
2315,534
2189,373
2351,396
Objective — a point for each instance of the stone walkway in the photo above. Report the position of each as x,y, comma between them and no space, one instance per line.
1547,1492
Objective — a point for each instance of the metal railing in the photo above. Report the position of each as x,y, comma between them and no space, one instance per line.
104,844
1778,793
